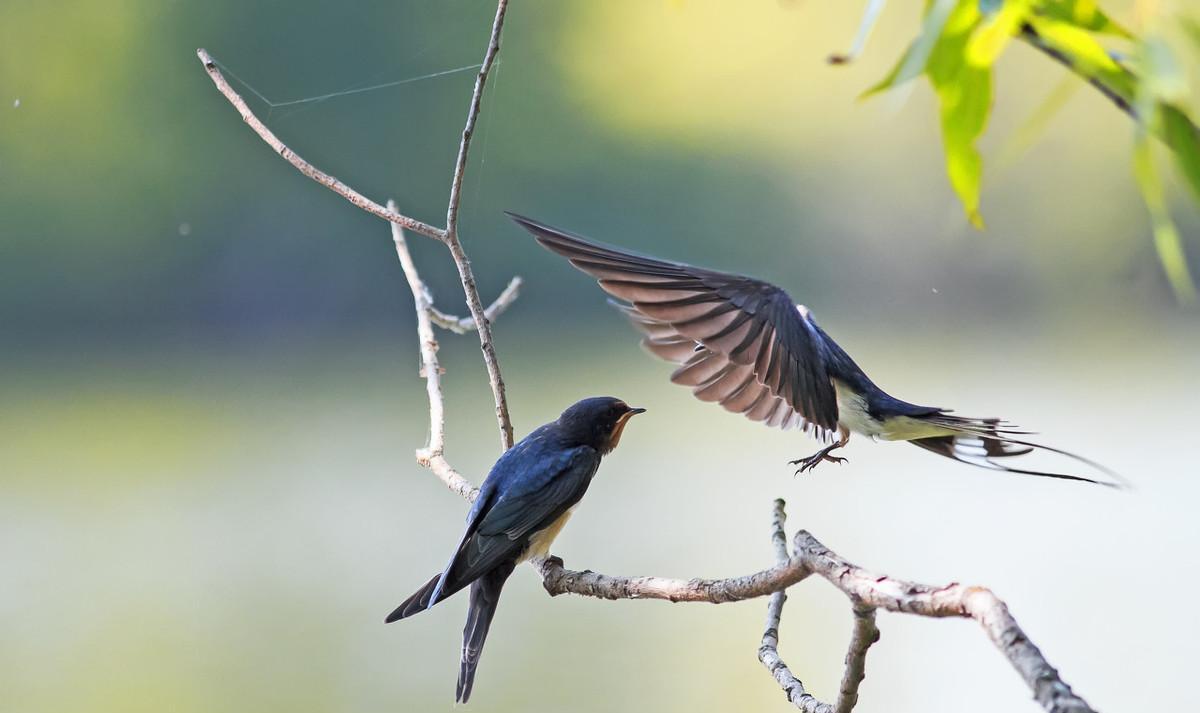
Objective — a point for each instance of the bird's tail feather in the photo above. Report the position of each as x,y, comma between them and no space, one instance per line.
485,595
420,600
978,441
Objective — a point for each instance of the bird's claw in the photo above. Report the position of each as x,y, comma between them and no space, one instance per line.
809,463
556,561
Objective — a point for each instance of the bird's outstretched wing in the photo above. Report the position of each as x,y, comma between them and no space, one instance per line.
528,489
741,342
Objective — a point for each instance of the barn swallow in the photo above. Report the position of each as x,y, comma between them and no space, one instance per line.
745,344
523,504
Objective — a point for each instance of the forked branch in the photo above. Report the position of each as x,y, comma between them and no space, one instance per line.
433,456
869,589
768,651
447,235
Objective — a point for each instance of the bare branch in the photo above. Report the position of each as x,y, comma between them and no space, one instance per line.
482,325
865,633
305,167
462,325
874,590
432,455
768,651
866,590
558,580
460,164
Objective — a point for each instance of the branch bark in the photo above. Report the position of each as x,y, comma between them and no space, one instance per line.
465,274
556,579
768,651
865,634
433,456
865,588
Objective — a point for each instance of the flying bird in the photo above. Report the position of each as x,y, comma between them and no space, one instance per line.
523,504
745,344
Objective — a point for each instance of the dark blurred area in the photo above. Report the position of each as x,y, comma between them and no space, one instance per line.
134,203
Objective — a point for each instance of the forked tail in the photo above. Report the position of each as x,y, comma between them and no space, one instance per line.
979,441
485,595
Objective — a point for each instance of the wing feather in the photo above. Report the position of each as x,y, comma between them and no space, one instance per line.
676,349
735,336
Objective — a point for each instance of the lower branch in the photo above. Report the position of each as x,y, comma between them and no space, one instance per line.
558,580
880,591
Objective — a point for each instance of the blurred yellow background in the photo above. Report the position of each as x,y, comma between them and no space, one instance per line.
209,394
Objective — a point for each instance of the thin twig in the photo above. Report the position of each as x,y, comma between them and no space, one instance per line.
432,455
768,651
465,273
462,325
460,163
878,591
305,167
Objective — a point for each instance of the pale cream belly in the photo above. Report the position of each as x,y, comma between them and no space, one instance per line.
853,416
540,541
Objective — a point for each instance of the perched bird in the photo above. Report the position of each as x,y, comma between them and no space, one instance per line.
745,344
523,504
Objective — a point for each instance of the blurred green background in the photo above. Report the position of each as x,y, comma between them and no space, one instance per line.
208,372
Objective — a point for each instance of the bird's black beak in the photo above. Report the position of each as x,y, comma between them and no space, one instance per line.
633,411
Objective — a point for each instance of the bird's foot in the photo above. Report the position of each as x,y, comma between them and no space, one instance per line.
807,464
549,564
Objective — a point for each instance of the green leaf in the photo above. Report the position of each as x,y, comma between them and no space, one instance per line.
1084,14
963,88
1087,58
994,34
964,94
1166,237
913,61
1078,44
1191,27
1183,138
